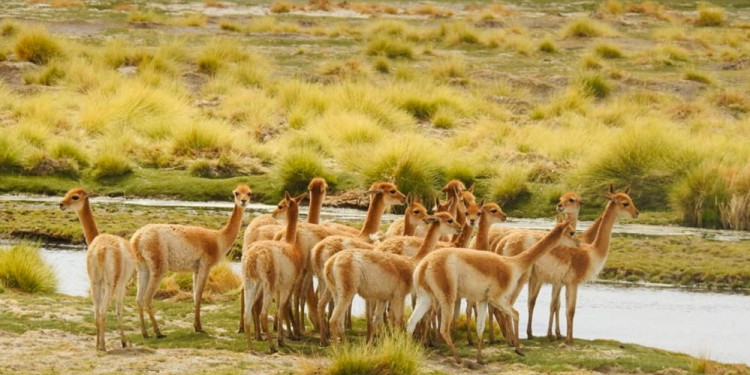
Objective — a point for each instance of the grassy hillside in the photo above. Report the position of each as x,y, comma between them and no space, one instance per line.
525,100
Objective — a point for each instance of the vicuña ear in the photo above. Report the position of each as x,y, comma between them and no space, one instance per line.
287,196
471,189
300,197
481,203
612,188
627,190
375,191
409,199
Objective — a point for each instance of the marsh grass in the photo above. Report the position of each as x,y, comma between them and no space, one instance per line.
11,153
22,268
202,138
37,46
392,354
608,51
49,76
9,28
547,46
297,167
595,85
696,76
509,185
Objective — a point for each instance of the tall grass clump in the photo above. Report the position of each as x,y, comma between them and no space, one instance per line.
22,268
547,46
709,16
586,28
9,28
298,166
735,214
608,51
110,164
452,70
696,76
37,46
648,157
700,195
49,76
390,47
202,138
413,164
595,85
11,153
509,186
393,354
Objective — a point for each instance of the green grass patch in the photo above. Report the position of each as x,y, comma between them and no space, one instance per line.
390,47
23,269
586,28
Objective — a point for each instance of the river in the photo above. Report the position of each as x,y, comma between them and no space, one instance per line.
703,324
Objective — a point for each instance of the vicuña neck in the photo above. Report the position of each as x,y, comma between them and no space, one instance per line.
316,203
463,239
229,232
430,241
86,217
604,234
572,218
410,227
482,241
527,258
374,215
589,235
292,216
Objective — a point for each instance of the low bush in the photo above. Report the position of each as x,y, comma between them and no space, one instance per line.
22,268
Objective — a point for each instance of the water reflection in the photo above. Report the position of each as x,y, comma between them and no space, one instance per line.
711,325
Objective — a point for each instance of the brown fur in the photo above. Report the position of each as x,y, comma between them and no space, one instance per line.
270,271
480,276
110,264
162,247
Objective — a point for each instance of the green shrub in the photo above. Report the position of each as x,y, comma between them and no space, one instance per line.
22,268
298,166
37,46
394,354
110,164
699,196
392,48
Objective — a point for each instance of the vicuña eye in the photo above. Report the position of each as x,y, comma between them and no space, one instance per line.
75,197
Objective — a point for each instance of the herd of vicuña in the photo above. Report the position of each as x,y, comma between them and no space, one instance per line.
429,254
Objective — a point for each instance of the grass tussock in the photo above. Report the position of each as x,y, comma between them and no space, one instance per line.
298,166
710,16
608,51
595,85
206,138
547,46
110,164
696,76
509,186
11,153
586,28
394,354
699,196
49,76
390,47
22,268
37,46
9,28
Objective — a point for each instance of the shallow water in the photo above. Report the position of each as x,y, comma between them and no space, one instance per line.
710,325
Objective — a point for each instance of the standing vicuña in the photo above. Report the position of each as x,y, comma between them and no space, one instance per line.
271,270
480,276
109,264
168,247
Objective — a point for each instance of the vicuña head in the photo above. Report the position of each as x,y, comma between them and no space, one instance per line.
242,195
389,191
74,198
317,186
625,206
570,202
